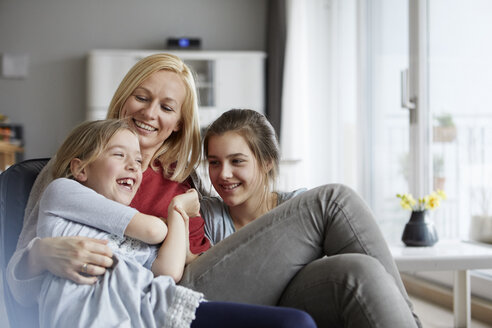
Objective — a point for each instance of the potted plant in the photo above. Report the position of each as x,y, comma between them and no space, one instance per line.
445,131
420,231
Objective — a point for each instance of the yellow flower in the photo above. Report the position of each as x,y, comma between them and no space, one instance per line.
407,201
428,202
405,205
432,201
411,200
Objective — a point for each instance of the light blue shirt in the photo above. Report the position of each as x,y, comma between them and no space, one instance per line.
218,220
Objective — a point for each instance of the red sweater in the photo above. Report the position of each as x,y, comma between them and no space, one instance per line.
153,198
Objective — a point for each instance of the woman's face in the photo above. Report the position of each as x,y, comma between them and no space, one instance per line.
233,169
116,173
155,109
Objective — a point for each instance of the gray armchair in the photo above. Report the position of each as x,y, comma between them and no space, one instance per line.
15,186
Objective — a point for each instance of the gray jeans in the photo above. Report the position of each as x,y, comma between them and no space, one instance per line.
321,252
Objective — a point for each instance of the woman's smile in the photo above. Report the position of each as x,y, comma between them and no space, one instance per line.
144,126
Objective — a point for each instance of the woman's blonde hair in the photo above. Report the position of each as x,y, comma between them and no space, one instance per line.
86,142
180,152
260,137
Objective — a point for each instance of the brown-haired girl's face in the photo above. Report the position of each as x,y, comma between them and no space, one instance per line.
155,109
233,169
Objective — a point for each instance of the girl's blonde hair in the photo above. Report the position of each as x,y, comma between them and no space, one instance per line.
180,153
86,142
260,136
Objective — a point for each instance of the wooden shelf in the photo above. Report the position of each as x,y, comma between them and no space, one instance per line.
7,154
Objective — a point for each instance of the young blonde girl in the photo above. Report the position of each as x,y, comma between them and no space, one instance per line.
104,157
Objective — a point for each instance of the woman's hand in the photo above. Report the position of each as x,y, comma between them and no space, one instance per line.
69,257
188,202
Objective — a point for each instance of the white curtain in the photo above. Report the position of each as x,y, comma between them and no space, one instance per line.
318,138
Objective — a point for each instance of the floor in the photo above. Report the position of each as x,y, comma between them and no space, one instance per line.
432,316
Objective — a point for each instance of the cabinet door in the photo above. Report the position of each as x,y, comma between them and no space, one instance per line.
104,74
204,80
240,83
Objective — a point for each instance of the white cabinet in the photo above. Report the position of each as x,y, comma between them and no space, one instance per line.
224,79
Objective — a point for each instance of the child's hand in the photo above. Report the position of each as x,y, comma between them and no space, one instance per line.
188,202
183,214
189,255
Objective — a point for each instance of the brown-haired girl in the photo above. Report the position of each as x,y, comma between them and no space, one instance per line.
318,250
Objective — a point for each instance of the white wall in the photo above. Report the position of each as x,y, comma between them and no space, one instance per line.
57,34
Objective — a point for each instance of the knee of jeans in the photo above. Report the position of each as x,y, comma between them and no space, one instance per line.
361,266
340,189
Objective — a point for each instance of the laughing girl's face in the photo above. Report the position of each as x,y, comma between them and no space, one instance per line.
117,172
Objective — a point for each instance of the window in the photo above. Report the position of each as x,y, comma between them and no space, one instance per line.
453,135
346,92
446,142
460,81
387,145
